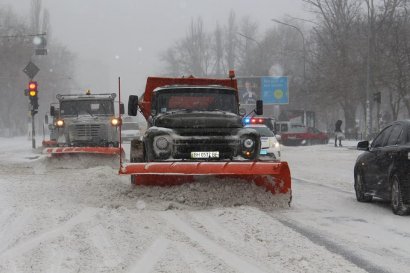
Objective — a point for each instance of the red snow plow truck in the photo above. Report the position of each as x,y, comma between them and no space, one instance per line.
195,129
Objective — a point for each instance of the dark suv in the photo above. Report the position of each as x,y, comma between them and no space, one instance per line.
383,170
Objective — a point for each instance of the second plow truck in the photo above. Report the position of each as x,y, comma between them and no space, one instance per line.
85,124
195,129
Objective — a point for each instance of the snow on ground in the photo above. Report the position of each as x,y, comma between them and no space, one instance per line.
76,215
323,164
325,206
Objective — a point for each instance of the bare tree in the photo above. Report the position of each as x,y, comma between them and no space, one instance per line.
54,76
336,53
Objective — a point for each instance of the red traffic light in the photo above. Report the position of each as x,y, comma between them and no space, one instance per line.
32,88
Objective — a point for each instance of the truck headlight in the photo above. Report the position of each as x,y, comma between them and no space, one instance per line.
162,146
161,143
248,143
116,121
60,123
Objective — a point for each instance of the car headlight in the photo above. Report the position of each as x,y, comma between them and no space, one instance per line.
60,123
248,143
161,143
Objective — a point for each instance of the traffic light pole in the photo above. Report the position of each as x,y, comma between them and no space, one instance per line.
32,92
33,131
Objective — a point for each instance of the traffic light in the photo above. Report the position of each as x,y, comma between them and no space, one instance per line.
32,89
33,94
377,97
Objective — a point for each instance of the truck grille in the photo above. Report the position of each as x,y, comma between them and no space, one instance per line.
88,132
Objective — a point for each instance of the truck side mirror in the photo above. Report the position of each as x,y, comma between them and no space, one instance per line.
122,110
259,107
46,119
52,111
132,105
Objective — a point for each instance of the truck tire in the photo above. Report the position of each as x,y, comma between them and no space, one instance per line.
397,204
137,151
136,155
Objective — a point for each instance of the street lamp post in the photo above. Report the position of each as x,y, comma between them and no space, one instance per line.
304,59
250,38
255,41
304,47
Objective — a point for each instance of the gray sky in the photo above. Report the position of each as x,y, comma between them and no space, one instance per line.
125,37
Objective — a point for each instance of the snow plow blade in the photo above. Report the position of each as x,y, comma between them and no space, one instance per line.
273,176
83,150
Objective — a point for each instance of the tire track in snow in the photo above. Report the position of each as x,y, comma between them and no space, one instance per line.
332,246
212,225
55,261
101,241
299,180
150,257
320,239
239,264
5,215
11,267
34,242
192,257
11,230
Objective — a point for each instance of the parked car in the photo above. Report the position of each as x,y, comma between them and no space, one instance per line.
130,130
299,134
383,170
270,147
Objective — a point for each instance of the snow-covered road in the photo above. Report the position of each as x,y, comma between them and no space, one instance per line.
67,217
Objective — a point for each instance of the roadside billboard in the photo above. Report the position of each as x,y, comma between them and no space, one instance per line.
272,90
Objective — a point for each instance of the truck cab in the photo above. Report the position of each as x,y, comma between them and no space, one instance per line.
86,120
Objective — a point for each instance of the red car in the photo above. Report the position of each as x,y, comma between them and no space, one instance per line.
299,134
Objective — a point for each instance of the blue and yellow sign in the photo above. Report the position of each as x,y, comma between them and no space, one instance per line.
275,90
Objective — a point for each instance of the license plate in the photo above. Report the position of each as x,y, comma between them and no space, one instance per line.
204,154
263,152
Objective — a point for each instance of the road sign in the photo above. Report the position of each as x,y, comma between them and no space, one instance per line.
31,70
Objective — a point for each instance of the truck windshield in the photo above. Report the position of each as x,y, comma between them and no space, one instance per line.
196,99
84,107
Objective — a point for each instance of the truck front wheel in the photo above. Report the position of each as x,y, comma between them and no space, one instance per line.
137,151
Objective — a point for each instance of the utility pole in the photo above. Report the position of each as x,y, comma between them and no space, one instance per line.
304,65
256,42
370,11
